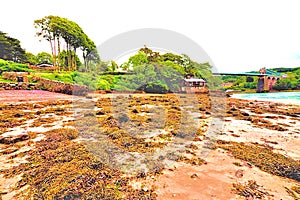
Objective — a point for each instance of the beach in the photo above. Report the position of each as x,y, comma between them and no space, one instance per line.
149,147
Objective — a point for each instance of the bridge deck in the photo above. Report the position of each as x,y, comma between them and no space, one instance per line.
245,74
241,74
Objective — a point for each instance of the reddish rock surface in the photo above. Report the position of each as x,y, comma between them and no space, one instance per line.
12,96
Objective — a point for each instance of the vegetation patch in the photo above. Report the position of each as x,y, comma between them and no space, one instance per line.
59,168
249,190
13,115
264,158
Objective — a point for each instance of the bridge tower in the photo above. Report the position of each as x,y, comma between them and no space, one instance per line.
266,80
262,83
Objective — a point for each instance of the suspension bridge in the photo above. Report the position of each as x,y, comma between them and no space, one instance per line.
266,78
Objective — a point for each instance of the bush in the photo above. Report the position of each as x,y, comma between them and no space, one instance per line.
103,85
283,84
250,85
9,66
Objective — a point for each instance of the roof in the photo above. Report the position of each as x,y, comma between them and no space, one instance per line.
194,80
44,65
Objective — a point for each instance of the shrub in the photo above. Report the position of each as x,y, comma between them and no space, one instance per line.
9,66
103,85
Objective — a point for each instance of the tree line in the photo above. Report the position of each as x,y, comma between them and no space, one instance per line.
10,48
58,32
154,72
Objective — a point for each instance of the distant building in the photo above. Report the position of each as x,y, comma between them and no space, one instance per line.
44,65
193,85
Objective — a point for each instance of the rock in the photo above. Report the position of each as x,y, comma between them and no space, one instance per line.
239,173
233,108
249,164
9,151
13,139
141,175
194,176
245,114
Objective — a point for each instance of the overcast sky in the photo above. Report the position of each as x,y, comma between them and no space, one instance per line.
237,35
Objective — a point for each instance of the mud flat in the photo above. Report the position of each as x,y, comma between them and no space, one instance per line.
258,142
148,147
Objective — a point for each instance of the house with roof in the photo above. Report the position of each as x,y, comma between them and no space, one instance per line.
193,84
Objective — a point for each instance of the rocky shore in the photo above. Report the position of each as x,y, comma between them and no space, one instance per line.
209,148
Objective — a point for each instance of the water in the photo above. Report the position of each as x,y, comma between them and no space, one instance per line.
285,97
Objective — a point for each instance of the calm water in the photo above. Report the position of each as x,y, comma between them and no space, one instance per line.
289,97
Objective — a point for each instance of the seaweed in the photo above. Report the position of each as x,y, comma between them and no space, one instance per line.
264,158
249,190
59,168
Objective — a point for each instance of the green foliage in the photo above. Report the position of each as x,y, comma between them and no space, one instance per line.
147,70
152,56
173,65
63,77
10,49
91,60
291,82
151,77
107,82
5,81
64,61
111,66
252,85
136,60
9,66
44,57
54,28
31,58
240,82
203,70
287,84
103,85
166,72
180,60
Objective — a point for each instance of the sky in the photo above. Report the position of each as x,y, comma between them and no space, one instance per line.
237,35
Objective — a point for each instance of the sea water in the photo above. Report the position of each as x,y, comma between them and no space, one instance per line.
285,97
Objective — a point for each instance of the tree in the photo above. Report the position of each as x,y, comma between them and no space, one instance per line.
64,60
89,53
46,32
91,60
5,47
151,55
181,64
44,57
31,58
153,77
57,30
10,49
136,60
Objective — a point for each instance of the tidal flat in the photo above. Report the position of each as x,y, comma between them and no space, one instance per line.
145,146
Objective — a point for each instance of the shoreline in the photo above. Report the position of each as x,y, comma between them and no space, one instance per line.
282,101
